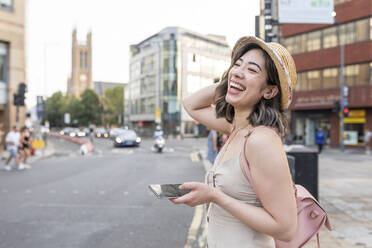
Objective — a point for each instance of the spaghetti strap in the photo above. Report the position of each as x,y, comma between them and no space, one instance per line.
245,165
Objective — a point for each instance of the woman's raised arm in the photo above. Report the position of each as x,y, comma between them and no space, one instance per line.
199,106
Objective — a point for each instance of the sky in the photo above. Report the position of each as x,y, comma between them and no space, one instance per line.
115,25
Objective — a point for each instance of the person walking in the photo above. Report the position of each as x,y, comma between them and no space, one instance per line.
319,139
367,140
212,146
25,147
12,140
248,105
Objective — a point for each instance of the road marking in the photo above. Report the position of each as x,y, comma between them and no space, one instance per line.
194,156
194,227
52,191
5,191
203,236
75,191
28,191
102,192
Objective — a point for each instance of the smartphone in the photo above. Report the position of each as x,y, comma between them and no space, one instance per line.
168,190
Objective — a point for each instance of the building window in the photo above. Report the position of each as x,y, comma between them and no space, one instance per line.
370,28
81,60
363,75
313,41
330,78
314,80
330,37
6,4
351,74
361,30
301,84
3,72
347,33
86,59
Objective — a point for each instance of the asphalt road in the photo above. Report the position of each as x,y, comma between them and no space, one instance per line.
100,200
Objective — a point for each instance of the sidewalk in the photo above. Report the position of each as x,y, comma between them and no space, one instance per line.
345,191
46,152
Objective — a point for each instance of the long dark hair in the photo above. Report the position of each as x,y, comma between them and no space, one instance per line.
267,112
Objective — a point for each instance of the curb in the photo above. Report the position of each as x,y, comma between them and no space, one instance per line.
86,145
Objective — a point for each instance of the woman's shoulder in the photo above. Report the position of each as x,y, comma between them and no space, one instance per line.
261,137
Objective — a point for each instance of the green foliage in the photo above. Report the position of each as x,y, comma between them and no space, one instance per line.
90,108
53,108
113,105
86,110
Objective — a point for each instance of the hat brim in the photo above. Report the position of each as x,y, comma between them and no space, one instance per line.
284,78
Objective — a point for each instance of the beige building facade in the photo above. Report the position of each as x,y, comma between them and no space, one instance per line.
12,60
81,69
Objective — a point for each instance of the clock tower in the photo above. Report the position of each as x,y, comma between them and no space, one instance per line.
81,69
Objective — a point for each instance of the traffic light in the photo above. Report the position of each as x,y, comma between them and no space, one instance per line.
22,88
336,106
346,111
16,99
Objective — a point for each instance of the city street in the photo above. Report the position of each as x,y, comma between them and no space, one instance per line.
99,200
102,199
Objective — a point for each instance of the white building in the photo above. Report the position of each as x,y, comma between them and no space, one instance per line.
166,67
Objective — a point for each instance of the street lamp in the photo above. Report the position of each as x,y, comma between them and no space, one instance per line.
343,88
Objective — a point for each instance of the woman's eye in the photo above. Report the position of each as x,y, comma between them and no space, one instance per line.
252,70
236,64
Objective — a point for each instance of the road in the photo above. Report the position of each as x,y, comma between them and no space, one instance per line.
100,200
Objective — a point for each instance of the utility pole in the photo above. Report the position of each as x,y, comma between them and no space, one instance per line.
343,88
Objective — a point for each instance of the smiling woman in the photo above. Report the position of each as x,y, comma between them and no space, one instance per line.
248,105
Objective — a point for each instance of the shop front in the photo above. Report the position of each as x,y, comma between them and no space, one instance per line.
316,109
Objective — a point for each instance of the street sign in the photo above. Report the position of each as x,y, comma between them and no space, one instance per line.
38,144
67,118
157,115
345,90
305,11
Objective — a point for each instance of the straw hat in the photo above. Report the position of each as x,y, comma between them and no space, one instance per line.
283,62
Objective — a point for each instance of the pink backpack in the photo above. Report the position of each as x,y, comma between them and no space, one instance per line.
310,215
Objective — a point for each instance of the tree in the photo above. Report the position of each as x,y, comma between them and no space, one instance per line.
53,108
113,104
90,109
72,105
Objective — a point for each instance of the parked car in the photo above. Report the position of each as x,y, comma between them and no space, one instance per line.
82,132
127,138
65,131
101,133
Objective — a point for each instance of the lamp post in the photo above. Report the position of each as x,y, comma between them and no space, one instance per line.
343,87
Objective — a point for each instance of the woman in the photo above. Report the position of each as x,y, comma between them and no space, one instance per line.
248,106
25,146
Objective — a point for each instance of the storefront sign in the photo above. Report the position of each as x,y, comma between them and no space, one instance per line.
350,137
316,100
305,11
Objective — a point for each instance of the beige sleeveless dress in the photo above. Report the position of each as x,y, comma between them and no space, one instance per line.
224,230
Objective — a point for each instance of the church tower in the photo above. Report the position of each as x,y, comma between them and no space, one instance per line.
81,70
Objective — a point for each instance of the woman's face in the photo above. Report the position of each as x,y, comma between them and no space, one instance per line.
246,80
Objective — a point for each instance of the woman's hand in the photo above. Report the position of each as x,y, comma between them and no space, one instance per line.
200,193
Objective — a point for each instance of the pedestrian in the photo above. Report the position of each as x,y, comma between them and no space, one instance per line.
248,105
212,146
367,140
25,147
12,140
319,139
1,140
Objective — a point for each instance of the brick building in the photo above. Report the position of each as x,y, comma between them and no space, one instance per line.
12,60
316,50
